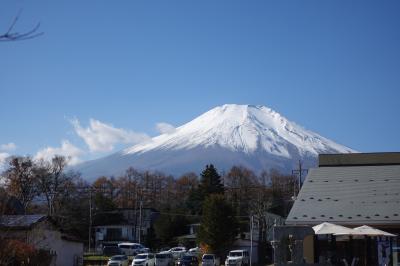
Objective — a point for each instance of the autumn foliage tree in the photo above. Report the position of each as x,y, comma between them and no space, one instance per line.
16,252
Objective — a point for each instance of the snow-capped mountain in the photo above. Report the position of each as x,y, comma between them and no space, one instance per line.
252,136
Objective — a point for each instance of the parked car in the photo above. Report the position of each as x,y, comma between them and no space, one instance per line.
112,250
164,259
194,251
118,260
144,259
237,258
132,249
188,260
210,260
177,252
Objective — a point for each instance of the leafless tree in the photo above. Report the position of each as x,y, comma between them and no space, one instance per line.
21,180
12,35
241,185
53,181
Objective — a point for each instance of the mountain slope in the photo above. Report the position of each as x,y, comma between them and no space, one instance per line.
253,136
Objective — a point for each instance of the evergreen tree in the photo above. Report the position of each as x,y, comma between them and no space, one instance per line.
218,225
210,182
167,227
194,201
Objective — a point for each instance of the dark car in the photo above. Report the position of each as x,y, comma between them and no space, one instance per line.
112,250
188,261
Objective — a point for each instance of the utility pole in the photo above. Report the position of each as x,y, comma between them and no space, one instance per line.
299,172
136,199
129,192
140,220
90,217
251,237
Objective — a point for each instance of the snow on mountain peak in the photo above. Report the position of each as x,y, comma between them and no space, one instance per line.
243,128
252,136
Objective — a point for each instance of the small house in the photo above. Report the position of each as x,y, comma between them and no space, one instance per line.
133,227
42,233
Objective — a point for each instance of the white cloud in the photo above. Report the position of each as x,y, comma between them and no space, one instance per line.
8,147
4,149
3,157
101,137
67,149
165,128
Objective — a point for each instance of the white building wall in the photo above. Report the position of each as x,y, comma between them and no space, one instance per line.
69,253
66,251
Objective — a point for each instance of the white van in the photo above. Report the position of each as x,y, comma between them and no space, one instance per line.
132,249
238,258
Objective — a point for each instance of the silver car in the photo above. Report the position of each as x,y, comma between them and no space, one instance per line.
164,259
210,260
118,260
144,259
177,252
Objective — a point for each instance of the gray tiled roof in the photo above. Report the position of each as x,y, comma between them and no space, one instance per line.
20,221
349,195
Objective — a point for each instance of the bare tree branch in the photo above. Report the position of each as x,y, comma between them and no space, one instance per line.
12,35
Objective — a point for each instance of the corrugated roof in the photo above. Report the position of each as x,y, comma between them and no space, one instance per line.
349,195
20,221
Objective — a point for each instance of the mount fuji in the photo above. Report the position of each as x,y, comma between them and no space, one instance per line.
252,136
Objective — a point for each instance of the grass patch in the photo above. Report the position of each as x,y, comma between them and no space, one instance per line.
95,257
90,257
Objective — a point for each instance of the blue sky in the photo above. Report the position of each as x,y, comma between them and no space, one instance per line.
330,66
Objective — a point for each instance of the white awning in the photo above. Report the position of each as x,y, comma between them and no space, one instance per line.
370,231
331,229
365,230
